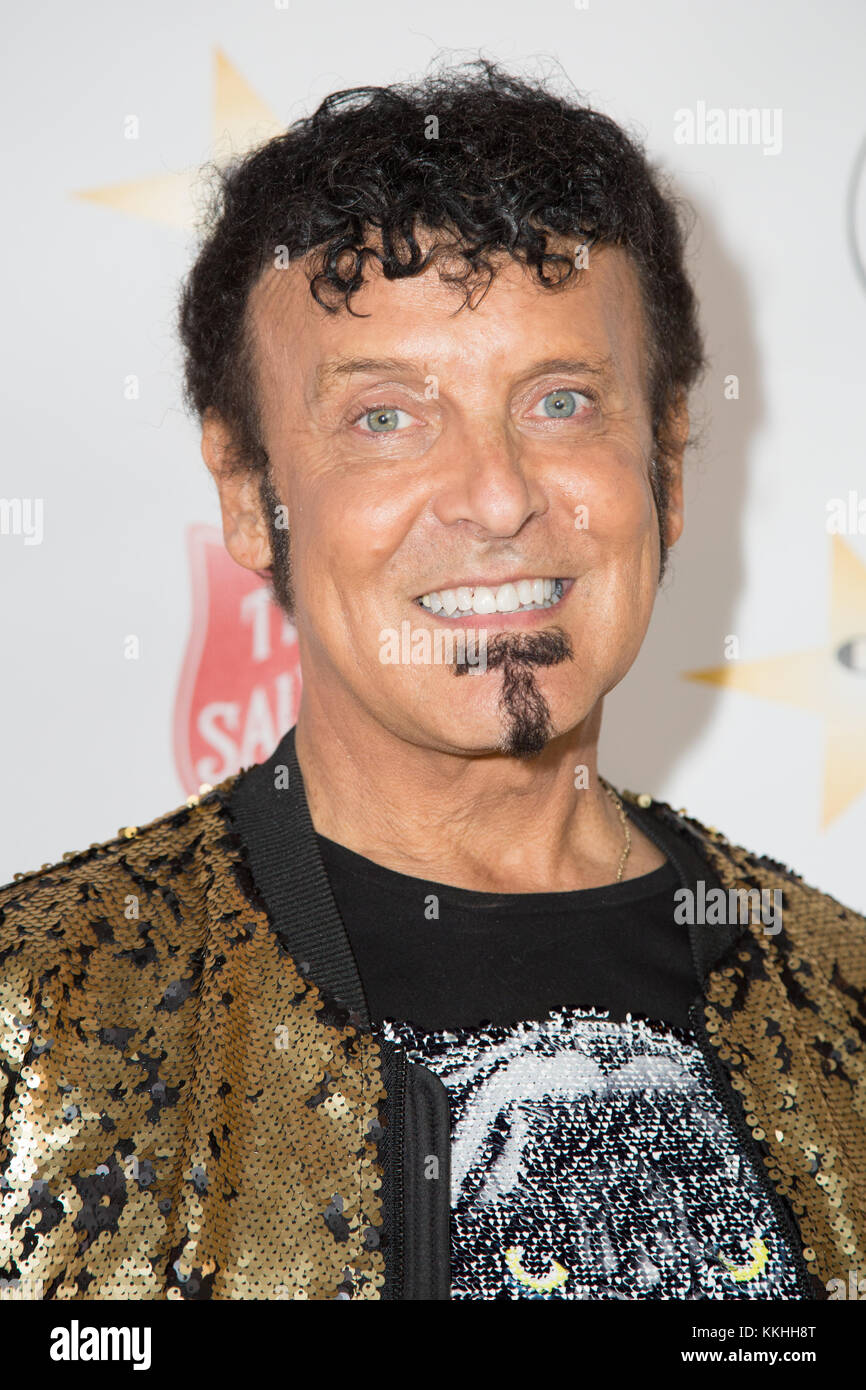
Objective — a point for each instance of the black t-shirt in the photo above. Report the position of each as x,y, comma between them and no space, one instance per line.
448,957
590,1154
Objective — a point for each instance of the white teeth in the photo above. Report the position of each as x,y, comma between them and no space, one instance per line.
505,598
449,601
483,600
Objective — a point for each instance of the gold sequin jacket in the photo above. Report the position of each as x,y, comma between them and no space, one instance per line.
197,1106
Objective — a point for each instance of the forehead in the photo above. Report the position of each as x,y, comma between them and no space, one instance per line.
597,314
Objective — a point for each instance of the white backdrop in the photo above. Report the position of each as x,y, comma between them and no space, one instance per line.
89,290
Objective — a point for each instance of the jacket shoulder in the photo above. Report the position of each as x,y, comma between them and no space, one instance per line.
814,922
54,905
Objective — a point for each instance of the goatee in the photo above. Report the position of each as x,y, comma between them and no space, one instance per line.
526,723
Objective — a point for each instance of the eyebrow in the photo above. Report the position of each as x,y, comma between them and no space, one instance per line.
341,367
338,367
579,366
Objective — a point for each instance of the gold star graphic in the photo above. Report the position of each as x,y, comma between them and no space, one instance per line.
829,681
240,120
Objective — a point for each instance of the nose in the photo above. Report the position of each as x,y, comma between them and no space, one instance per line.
486,481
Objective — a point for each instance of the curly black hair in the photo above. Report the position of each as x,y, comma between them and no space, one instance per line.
494,164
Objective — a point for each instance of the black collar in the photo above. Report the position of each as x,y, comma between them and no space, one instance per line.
684,847
268,806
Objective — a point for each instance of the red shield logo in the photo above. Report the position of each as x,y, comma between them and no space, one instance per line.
240,685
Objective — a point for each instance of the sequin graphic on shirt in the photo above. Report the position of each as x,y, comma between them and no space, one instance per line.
591,1159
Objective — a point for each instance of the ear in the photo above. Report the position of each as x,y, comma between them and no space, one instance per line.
676,436
245,529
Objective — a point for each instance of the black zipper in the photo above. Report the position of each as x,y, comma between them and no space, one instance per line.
730,1104
398,1113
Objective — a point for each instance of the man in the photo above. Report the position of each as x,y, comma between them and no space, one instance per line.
420,1007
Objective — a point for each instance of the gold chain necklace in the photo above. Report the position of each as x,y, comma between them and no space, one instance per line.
623,822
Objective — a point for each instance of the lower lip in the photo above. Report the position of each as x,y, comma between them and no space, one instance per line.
531,617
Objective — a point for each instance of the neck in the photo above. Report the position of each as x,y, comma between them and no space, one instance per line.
488,822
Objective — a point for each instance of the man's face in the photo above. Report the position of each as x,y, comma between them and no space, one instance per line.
422,451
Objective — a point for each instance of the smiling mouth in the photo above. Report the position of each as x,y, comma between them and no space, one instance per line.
519,596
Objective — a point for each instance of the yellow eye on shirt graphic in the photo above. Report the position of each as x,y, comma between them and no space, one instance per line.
554,1279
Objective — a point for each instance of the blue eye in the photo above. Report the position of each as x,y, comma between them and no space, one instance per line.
559,404
382,419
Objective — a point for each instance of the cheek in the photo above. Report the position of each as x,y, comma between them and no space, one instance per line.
624,511
619,546
614,511
345,538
